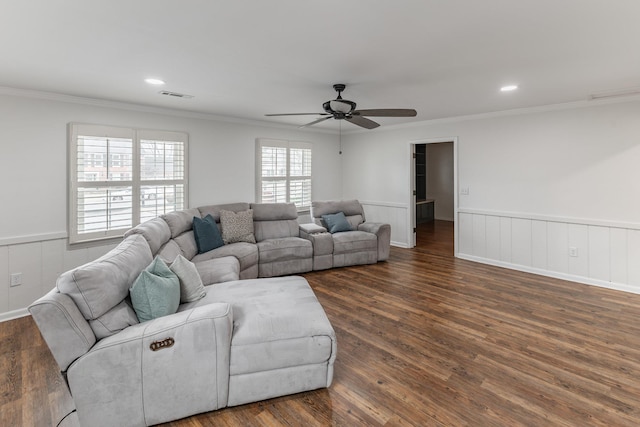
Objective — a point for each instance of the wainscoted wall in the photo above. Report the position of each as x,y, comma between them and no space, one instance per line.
395,214
40,259
595,252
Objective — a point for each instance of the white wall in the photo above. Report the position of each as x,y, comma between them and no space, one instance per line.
562,169
33,164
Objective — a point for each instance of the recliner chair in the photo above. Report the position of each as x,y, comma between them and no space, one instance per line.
364,242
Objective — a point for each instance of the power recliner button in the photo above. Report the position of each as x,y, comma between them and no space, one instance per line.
165,343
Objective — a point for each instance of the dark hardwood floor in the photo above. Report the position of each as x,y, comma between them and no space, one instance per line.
423,340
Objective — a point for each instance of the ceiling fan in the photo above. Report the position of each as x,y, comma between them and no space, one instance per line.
342,109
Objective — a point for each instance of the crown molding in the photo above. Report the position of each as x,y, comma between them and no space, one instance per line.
592,102
105,103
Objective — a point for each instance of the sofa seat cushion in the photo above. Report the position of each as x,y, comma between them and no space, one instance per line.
283,249
278,323
218,270
246,253
354,241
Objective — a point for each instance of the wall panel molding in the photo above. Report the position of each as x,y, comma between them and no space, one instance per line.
395,214
595,252
552,218
7,241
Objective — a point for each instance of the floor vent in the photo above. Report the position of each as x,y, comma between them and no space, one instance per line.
174,94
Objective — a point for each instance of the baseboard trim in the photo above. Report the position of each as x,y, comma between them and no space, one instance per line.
400,245
15,314
556,275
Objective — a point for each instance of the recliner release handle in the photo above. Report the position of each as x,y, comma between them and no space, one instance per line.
165,343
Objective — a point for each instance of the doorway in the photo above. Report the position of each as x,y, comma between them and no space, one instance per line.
434,198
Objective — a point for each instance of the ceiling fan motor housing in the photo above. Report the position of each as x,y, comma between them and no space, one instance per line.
340,108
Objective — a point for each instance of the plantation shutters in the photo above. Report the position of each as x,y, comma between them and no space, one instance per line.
119,177
284,172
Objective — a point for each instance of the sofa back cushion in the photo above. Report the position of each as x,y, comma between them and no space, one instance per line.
352,210
99,286
275,220
169,251
155,231
180,221
214,210
187,243
113,321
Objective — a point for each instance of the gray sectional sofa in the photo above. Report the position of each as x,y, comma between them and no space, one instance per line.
250,337
278,250
363,242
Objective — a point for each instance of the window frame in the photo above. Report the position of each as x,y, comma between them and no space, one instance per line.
135,182
288,178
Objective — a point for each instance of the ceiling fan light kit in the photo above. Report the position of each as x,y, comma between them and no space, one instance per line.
342,109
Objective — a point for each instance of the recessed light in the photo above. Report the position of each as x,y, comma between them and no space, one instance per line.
508,88
156,82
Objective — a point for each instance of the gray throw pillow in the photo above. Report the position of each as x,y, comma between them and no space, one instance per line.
156,291
237,227
191,287
336,222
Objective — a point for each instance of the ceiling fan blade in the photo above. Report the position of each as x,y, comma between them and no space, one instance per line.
297,114
321,119
386,112
363,122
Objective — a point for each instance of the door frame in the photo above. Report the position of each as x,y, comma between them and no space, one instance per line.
411,237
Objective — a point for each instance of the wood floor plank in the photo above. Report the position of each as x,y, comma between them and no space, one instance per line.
424,339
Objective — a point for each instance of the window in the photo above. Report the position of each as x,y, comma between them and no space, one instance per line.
283,172
120,177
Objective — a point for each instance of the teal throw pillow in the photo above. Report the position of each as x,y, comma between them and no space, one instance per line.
156,292
336,222
206,233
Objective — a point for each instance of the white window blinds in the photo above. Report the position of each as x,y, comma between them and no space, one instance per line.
283,172
120,177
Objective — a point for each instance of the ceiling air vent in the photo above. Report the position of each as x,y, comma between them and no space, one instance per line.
174,94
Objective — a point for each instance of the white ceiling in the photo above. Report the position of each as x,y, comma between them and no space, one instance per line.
243,59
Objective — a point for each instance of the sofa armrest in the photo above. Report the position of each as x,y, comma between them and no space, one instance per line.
63,327
383,232
311,228
322,242
157,371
